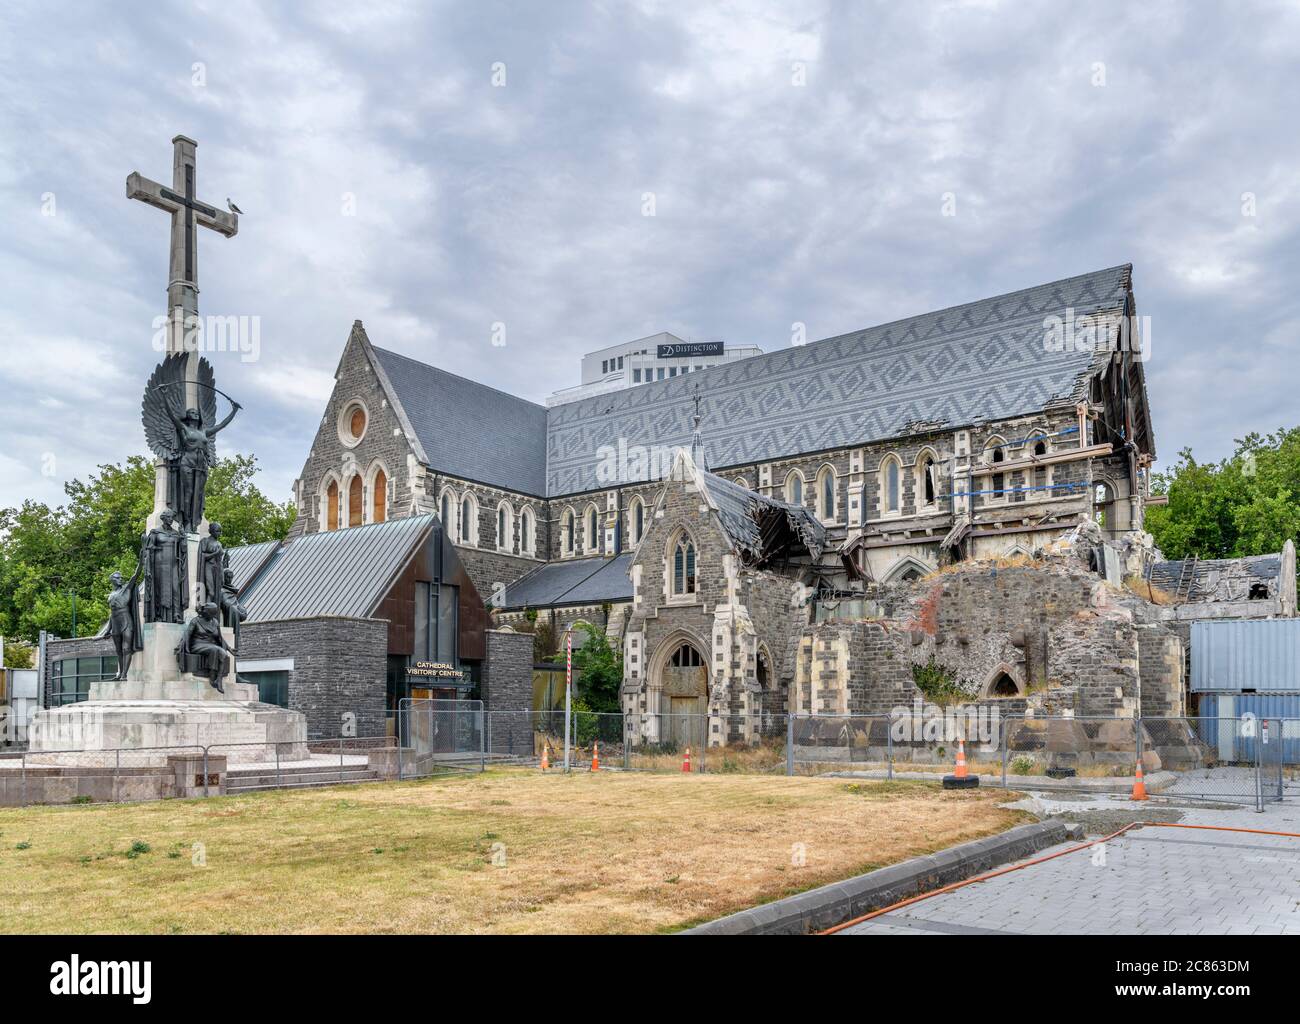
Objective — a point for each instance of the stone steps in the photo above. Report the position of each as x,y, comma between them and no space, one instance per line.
242,780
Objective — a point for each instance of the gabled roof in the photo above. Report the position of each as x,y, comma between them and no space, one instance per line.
982,360
342,573
757,524
467,429
572,582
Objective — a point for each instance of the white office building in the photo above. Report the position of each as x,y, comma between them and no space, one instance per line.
657,357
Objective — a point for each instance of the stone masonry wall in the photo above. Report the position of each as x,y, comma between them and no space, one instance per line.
382,444
339,669
507,683
1066,642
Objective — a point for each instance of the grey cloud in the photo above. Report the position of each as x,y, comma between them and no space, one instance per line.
775,203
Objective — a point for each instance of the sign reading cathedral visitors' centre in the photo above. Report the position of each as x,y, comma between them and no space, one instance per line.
434,670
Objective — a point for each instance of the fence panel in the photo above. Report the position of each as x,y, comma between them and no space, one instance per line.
439,736
926,741
1209,758
660,742
518,736
1070,750
832,743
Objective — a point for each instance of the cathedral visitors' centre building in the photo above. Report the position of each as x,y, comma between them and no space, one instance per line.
710,519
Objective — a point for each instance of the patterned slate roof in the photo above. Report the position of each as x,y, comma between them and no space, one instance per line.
470,430
340,573
982,360
573,581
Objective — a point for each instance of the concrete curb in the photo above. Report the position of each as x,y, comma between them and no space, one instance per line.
832,904
1155,782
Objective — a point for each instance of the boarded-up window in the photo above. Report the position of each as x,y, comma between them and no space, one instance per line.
332,509
381,497
357,422
354,502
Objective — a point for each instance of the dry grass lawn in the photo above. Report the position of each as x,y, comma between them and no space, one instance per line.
606,853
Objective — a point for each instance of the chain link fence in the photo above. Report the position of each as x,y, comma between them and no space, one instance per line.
1242,761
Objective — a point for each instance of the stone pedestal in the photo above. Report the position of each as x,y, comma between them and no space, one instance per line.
147,732
154,674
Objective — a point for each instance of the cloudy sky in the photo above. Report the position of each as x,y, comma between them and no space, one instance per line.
433,170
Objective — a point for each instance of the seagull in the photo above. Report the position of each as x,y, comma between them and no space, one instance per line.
233,207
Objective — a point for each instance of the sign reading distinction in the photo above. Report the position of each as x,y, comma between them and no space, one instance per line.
433,670
690,349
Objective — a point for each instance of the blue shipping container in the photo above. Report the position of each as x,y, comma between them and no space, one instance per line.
1283,707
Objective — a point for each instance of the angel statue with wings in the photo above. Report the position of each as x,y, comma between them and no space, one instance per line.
184,437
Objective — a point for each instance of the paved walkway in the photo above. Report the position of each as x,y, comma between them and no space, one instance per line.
1150,881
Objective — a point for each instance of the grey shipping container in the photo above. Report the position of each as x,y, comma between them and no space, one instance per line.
1246,656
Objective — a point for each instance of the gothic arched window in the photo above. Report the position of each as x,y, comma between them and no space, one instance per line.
636,521
794,487
332,506
526,531
891,486
469,520
356,506
683,566
380,502
926,491
826,494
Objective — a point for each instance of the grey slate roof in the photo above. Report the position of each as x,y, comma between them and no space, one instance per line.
740,511
981,360
1207,574
333,573
470,430
571,582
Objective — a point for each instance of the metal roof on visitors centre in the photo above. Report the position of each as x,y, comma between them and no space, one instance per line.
342,573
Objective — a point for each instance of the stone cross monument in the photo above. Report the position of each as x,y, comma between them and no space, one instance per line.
176,685
186,212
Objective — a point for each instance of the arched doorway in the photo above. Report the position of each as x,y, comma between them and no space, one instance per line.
1002,682
684,694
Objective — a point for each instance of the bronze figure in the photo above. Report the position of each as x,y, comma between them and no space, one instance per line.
124,620
165,561
232,612
202,641
184,437
212,563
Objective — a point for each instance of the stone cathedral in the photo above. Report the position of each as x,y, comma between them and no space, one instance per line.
792,531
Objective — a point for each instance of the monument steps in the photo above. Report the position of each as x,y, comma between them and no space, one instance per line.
245,780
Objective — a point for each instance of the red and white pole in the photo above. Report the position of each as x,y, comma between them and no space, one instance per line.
568,690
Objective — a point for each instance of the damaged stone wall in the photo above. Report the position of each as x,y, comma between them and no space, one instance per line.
1048,638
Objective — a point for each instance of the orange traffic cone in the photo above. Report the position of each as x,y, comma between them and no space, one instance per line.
1139,785
546,760
686,763
595,756
961,778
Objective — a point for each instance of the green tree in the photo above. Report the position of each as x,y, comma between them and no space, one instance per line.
19,654
601,670
1244,505
49,554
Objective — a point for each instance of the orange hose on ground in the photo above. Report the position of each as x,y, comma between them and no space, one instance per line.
1039,860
